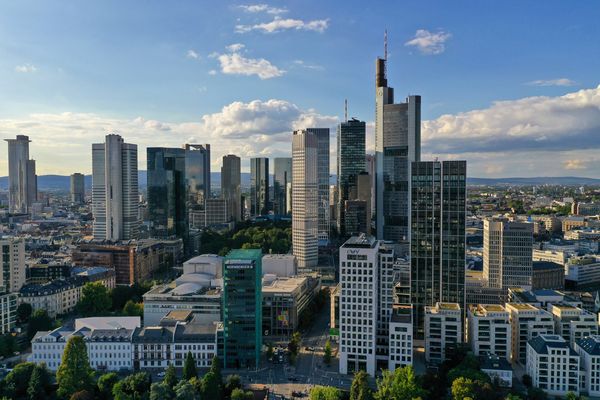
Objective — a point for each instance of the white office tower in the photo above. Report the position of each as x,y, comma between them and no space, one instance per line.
589,353
527,322
400,337
489,330
12,258
305,198
324,224
507,253
553,365
115,189
443,328
573,323
22,179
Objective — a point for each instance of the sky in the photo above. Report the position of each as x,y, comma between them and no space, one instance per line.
513,87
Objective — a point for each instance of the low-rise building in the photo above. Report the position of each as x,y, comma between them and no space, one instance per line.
489,330
282,265
589,351
581,272
205,263
547,275
553,365
498,369
573,323
58,297
400,337
443,328
527,322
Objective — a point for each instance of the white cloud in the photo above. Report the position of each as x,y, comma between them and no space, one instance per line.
212,72
279,24
192,54
429,42
234,63
303,64
26,68
574,164
553,82
258,8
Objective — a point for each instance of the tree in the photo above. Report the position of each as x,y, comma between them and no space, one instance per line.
231,383
8,345
136,386
327,353
170,378
463,388
215,368
105,385
211,386
95,299
82,395
161,391
39,321
185,391
527,380
39,383
399,385
325,393
360,389
239,394
189,367
133,309
24,312
534,393
294,344
121,295
16,382
74,373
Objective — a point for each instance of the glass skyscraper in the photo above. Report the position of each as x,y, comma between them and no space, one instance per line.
242,308
282,177
259,186
231,189
197,175
438,204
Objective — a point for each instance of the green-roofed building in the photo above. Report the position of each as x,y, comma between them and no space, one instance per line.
242,308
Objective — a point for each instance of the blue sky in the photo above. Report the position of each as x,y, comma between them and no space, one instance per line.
164,73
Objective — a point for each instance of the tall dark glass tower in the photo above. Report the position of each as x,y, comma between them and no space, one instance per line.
438,201
350,163
259,186
282,178
231,185
197,175
167,192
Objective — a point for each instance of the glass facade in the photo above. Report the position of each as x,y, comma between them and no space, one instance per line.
197,174
242,309
350,163
259,186
438,202
283,177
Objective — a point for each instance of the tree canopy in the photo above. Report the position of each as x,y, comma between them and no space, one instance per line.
399,385
74,373
95,299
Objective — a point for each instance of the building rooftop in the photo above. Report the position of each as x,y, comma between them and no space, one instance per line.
541,344
546,265
279,285
590,345
244,254
494,363
449,306
523,306
362,241
484,309
401,313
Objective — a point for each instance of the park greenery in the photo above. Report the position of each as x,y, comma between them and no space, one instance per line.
271,237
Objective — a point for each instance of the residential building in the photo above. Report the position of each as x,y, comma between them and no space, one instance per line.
527,322
259,186
231,189
305,194
553,365
58,297
22,179
282,177
585,209
437,241
400,337
498,369
242,311
489,331
77,188
589,352
573,323
12,257
8,312
197,175
115,196
573,222
547,275
443,329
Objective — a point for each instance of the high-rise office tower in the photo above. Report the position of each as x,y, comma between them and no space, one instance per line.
364,192
322,135
259,186
242,309
350,163
22,180
197,175
438,235
12,261
370,169
283,176
507,253
115,198
166,192
305,195
397,144
231,179
77,188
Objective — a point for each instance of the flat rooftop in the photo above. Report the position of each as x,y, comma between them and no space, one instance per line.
283,285
449,306
523,306
361,241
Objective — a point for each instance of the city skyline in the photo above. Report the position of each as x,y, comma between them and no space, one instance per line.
163,88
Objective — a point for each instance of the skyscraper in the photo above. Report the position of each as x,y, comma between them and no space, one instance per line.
507,253
231,185
282,177
77,188
259,186
166,192
115,189
22,180
438,235
12,262
350,163
322,135
397,144
305,195
197,175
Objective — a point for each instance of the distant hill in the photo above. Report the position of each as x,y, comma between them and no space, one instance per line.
61,182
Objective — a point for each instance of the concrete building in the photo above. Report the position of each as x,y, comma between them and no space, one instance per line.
22,179
12,257
197,175
573,323
553,365
400,337
582,272
77,188
507,253
8,312
443,328
281,265
281,179
498,369
216,213
589,353
305,195
231,189
206,263
323,151
547,275
489,331
115,198
585,209
554,256
397,144
259,186
527,322
573,222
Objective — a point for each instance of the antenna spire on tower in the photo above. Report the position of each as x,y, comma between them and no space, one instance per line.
385,45
345,109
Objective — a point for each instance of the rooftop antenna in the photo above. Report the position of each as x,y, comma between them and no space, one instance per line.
345,109
385,45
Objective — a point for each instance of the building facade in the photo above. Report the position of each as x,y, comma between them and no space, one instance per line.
231,189
8,312
22,179
197,175
400,337
77,188
281,179
527,322
489,331
443,328
12,257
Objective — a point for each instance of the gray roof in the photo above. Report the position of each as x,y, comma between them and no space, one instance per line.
541,344
493,362
590,345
